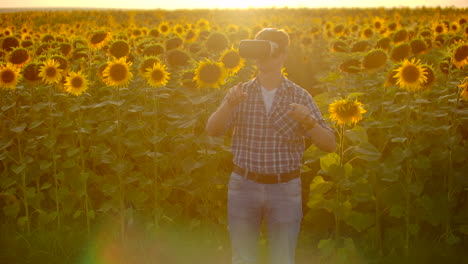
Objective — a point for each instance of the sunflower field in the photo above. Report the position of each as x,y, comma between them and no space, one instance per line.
103,142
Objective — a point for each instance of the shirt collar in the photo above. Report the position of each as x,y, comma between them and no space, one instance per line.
285,83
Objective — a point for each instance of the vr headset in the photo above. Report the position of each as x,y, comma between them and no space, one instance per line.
258,49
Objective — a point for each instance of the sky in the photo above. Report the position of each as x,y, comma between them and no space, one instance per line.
193,4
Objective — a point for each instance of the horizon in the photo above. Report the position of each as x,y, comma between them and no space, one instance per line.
235,5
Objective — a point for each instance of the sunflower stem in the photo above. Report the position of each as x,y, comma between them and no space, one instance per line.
54,159
82,167
119,174
342,144
155,158
23,172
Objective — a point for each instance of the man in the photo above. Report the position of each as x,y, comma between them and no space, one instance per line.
270,117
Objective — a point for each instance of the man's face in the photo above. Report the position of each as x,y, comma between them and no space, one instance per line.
271,64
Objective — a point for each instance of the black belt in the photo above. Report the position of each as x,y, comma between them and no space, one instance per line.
268,178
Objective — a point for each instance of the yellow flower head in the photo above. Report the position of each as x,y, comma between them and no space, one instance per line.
411,75
98,39
9,75
50,72
164,28
464,87
346,111
157,75
209,74
460,55
76,83
117,72
19,57
232,61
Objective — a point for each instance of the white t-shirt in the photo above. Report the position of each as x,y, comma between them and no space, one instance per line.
268,97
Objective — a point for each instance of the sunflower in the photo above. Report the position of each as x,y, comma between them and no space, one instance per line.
152,50
383,43
119,49
216,42
391,80
190,36
351,66
418,46
117,72
9,43
30,72
174,43
464,87
430,76
209,74
374,59
157,75
411,75
346,111
65,49
401,35
50,72
98,39
367,33
360,46
460,55
378,23
439,28
203,24
339,46
232,61
178,58
76,83
400,52
179,30
164,28
19,57
146,64
9,75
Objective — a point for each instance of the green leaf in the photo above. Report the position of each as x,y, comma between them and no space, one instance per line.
399,139
367,151
360,221
45,186
397,211
35,124
17,169
6,107
69,163
45,164
22,221
357,134
5,143
77,214
319,185
12,209
72,151
422,162
416,188
328,160
20,128
30,192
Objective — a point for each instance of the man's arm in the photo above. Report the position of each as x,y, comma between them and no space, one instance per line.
218,121
322,137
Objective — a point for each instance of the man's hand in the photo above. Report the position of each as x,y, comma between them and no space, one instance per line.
236,95
301,114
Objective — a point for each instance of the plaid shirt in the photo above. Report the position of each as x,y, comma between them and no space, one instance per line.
273,142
